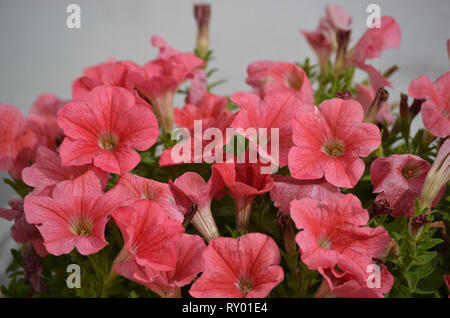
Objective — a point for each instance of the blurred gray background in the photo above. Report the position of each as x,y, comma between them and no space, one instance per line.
40,54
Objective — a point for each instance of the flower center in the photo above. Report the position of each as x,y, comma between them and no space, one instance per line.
245,285
108,141
334,148
294,81
81,226
408,171
324,242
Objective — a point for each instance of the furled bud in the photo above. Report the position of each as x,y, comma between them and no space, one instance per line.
381,97
437,176
285,224
202,13
343,39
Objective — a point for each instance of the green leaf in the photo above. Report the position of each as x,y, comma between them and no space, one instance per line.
424,258
412,279
426,244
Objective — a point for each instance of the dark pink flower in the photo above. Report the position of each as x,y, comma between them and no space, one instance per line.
76,216
22,231
246,267
193,195
285,189
142,188
149,236
265,76
245,181
436,109
47,172
159,80
333,234
329,141
104,128
189,264
273,113
399,180
198,88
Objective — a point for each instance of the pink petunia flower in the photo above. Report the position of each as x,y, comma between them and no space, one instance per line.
159,80
323,39
365,95
352,281
333,234
42,120
189,264
285,189
193,196
265,76
329,141
199,86
373,42
110,73
210,113
149,236
47,172
246,267
22,231
76,216
245,181
143,188
104,128
399,180
17,142
273,113
436,109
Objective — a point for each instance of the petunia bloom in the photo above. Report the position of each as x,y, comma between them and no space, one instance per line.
399,180
329,141
22,231
245,181
436,109
167,284
104,128
110,73
17,142
143,188
149,236
159,80
273,114
373,42
333,235
265,76
246,267
47,171
196,121
285,189
323,40
193,195
75,217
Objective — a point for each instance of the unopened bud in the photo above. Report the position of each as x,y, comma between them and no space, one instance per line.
437,177
381,97
202,14
416,225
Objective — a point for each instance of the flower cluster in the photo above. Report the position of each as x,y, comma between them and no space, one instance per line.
326,195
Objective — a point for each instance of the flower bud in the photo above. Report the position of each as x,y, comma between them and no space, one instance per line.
202,13
437,176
